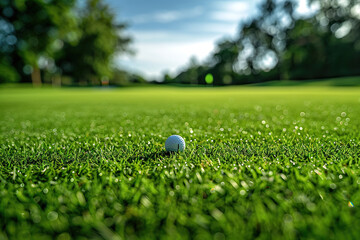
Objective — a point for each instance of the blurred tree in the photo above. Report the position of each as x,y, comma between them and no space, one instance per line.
305,54
325,45
339,22
194,73
89,61
30,33
224,59
280,44
263,39
167,78
257,50
124,78
136,78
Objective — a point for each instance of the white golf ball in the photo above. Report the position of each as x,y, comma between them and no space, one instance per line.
175,143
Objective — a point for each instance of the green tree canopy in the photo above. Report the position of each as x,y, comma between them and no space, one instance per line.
31,34
280,44
90,59
56,37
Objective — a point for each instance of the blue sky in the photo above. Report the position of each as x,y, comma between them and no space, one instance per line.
167,33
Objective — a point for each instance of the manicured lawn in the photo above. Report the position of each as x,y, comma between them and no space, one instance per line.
260,162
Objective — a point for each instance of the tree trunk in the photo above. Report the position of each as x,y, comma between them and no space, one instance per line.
36,77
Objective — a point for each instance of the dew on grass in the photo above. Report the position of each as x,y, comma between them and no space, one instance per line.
52,216
36,218
283,176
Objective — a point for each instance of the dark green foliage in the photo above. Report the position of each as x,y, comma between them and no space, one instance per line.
29,33
123,78
278,44
266,163
327,45
90,59
225,57
50,39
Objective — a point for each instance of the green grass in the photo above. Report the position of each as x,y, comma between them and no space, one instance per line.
342,82
279,163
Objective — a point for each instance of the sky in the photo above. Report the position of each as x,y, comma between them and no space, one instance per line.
167,33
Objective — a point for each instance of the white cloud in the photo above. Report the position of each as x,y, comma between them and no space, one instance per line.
167,16
213,30
169,50
237,6
163,36
224,16
234,11
165,51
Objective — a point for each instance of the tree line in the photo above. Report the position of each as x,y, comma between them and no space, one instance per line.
278,44
44,41
74,42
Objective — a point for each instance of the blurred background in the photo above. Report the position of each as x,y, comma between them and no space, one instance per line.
128,42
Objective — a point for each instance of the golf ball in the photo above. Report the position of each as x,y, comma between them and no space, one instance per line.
175,143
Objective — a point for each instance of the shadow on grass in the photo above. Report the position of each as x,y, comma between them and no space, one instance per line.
332,82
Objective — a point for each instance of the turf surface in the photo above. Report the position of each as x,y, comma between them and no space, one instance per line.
259,163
